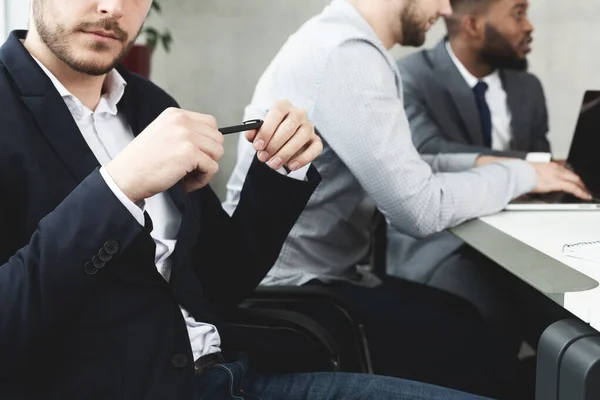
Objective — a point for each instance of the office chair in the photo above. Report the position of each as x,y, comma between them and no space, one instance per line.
282,341
341,321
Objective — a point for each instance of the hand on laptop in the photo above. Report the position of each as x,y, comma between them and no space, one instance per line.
553,177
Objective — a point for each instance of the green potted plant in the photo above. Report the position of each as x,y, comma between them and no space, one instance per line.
138,60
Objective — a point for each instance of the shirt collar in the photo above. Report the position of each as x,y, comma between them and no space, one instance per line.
346,8
470,78
114,88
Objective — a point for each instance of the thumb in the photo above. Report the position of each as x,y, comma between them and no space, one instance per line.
194,181
251,135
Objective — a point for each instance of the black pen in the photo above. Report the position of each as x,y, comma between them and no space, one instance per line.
245,126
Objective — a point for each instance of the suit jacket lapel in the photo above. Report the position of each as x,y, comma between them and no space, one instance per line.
47,108
61,131
515,100
462,95
55,120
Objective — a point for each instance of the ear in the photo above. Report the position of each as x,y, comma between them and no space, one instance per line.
473,26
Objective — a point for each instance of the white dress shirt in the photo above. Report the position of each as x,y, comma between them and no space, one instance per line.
107,132
496,99
337,69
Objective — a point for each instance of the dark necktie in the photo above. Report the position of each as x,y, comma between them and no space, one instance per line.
484,112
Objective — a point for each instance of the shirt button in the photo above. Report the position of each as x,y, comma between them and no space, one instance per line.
90,269
98,263
179,361
111,247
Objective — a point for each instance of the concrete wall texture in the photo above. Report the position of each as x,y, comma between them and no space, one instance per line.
221,47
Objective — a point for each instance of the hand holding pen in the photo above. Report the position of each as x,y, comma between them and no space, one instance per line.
285,138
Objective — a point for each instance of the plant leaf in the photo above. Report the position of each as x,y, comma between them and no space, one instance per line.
167,39
156,7
152,36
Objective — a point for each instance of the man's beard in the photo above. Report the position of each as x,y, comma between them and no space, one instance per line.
498,53
56,40
413,31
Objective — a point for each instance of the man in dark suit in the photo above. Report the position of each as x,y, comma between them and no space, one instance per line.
472,94
116,259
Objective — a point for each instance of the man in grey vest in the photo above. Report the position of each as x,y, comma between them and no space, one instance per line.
471,94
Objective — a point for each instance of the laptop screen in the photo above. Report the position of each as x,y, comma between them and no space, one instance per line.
584,156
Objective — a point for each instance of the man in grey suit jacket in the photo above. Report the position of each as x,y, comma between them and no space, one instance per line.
471,94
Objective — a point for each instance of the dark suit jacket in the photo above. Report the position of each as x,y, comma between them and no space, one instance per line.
75,327
443,114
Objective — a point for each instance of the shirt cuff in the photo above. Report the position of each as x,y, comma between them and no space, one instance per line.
299,174
539,157
134,209
526,176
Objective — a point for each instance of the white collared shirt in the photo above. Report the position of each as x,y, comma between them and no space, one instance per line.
107,133
496,100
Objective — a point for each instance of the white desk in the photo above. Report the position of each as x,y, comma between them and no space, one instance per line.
529,245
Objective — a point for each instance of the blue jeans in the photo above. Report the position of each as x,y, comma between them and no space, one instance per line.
235,381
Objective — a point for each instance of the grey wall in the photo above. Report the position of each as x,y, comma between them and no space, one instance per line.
3,29
566,57
222,46
17,14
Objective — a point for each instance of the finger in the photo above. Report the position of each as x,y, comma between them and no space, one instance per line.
287,130
208,146
196,130
200,123
210,132
570,176
251,135
298,153
206,143
276,115
301,159
575,190
205,119
295,143
206,169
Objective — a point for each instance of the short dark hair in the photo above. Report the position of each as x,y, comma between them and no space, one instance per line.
460,8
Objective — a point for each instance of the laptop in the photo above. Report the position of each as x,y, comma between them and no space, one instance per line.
583,159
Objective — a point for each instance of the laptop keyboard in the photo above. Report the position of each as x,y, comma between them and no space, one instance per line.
563,198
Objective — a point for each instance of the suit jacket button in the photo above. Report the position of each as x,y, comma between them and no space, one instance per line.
104,256
90,269
111,247
179,361
98,263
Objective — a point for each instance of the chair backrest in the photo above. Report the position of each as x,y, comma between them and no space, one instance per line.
378,253
281,341
339,318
